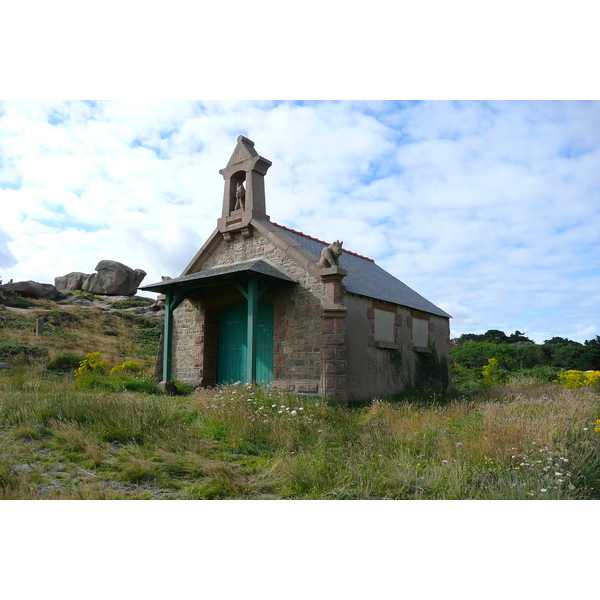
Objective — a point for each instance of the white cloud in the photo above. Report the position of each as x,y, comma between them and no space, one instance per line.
7,258
489,209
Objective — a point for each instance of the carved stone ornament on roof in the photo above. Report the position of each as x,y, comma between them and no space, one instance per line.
330,255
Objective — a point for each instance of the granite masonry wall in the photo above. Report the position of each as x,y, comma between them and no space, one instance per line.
298,326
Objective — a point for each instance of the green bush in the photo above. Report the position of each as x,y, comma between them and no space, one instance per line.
9,322
139,320
148,335
12,350
60,317
182,389
65,361
130,303
542,372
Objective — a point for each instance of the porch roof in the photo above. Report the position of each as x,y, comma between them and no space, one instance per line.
260,269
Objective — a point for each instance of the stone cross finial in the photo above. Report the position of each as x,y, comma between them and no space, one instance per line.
330,255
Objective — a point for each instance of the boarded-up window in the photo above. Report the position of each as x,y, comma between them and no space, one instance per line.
385,326
420,333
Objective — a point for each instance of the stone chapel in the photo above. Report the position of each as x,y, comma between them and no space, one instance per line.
261,302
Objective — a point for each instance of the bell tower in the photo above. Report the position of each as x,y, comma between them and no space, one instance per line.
244,195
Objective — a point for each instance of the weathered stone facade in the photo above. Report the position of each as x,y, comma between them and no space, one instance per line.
381,368
297,328
339,326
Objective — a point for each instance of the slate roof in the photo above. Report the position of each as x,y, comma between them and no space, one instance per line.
220,275
366,278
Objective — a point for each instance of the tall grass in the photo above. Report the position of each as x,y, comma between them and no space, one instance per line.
510,442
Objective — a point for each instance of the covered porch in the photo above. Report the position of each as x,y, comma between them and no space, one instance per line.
242,319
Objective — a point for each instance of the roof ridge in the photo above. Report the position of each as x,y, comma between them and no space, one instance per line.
310,237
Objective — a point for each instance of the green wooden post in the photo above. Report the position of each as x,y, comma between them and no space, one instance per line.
168,337
171,303
252,329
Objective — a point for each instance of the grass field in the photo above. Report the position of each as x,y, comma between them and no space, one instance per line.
517,441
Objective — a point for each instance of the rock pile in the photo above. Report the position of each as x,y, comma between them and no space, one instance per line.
111,279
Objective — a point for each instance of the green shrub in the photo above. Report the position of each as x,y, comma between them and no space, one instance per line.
182,389
60,317
9,322
139,320
542,372
12,350
131,303
65,361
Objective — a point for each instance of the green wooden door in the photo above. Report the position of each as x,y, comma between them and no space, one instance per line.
233,343
264,346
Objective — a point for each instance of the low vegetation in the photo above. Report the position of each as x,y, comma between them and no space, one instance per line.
69,333
515,441
82,424
516,356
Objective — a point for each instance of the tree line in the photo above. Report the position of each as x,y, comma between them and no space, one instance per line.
518,353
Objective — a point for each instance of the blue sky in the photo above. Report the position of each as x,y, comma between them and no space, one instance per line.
491,210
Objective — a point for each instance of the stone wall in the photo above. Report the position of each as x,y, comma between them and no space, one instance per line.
381,368
187,352
297,327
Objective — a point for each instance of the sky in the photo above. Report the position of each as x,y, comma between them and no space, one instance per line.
489,209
